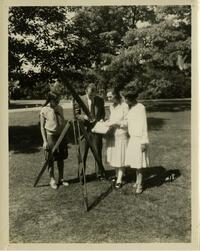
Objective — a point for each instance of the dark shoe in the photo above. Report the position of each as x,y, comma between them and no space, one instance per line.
113,179
81,179
101,178
118,185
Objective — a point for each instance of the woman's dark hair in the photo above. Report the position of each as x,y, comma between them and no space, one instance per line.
116,94
131,95
50,97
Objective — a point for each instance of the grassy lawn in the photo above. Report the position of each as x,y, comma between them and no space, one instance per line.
162,213
16,104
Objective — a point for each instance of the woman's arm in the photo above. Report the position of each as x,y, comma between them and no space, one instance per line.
145,139
61,113
103,110
123,123
43,132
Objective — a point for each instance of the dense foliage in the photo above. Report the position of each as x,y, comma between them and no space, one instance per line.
148,47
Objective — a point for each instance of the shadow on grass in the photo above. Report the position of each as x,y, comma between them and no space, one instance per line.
92,177
101,197
169,106
43,185
153,176
25,139
28,139
89,178
18,106
155,123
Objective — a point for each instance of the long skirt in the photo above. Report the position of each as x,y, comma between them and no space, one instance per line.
116,149
135,158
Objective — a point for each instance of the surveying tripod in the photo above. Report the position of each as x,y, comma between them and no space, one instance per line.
79,133
78,128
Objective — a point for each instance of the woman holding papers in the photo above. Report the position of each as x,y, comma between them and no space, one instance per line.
117,139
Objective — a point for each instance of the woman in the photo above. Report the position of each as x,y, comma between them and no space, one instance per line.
117,138
51,125
136,155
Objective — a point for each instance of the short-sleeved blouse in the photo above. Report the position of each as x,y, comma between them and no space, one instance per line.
54,118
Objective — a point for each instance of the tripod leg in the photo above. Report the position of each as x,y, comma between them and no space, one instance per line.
76,144
91,145
85,195
40,173
81,168
96,168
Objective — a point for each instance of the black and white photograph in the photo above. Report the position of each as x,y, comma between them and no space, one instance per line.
99,124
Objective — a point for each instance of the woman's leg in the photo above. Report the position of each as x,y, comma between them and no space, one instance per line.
119,177
51,174
51,169
139,181
116,173
51,163
60,164
136,181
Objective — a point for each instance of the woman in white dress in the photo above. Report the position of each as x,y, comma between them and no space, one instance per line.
137,154
117,139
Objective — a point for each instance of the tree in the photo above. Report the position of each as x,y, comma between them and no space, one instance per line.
150,55
101,30
42,38
110,45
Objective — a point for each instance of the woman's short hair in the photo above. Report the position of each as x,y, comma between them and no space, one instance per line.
51,96
116,94
131,95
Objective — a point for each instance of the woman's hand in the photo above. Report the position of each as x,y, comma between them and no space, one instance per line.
107,123
112,124
115,125
85,117
45,145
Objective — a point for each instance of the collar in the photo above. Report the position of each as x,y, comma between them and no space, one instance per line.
89,98
55,108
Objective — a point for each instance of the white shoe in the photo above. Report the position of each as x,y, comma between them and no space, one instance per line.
135,185
53,183
64,183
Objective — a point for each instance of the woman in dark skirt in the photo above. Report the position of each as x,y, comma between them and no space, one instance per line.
51,125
